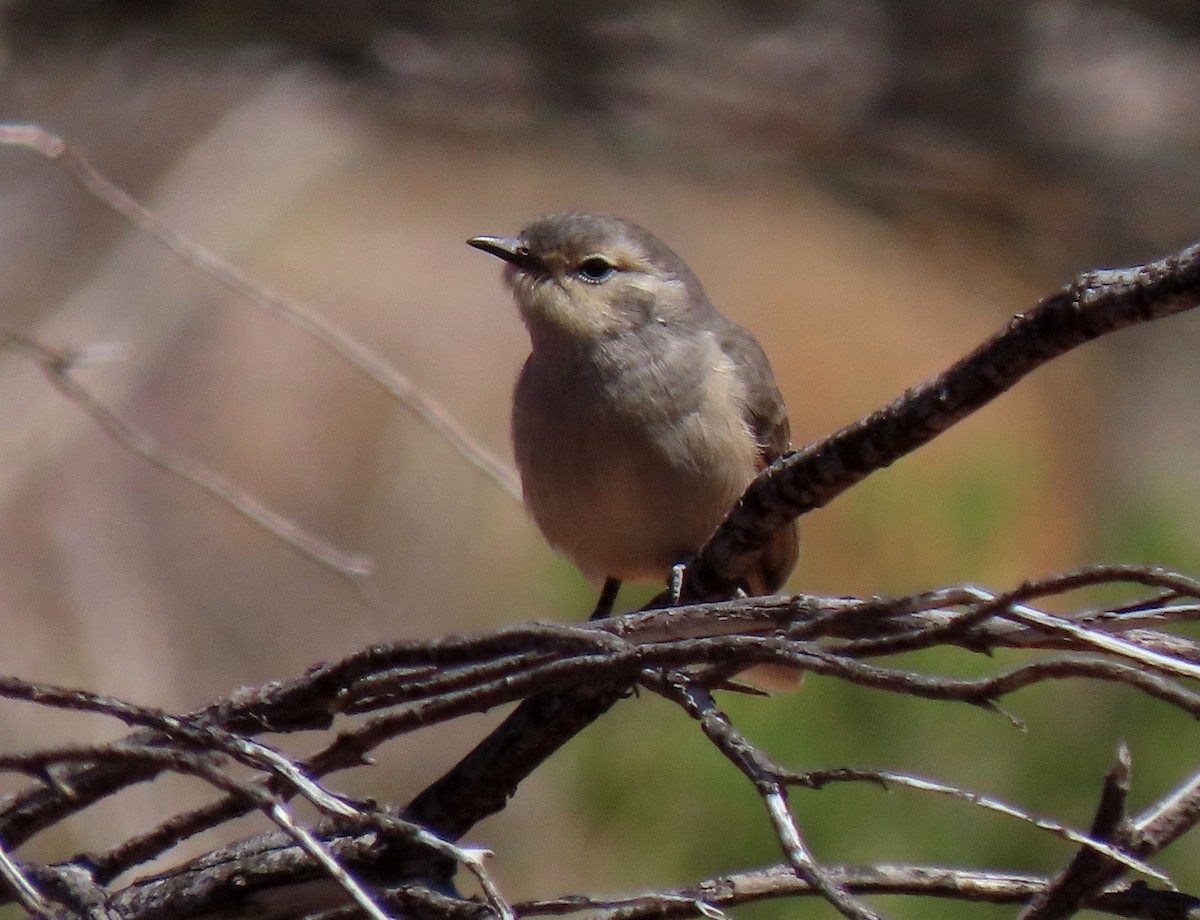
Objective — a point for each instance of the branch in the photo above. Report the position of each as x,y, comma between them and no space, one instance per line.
960,884
57,367
414,684
764,775
1090,871
1095,304
72,162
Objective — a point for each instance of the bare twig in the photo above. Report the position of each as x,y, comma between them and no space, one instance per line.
414,684
774,882
57,368
210,737
26,893
358,355
1167,820
1095,304
1089,871
1091,842
764,776
280,815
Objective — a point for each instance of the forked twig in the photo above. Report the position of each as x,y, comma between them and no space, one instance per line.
473,673
764,776
1096,303
358,355
57,368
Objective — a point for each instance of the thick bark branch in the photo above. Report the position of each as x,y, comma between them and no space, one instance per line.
1095,304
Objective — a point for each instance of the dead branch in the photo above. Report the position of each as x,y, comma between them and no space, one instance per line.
407,686
1095,304
58,152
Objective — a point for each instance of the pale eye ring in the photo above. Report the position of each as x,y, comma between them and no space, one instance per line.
595,269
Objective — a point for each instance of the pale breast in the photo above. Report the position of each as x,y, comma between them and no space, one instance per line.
627,468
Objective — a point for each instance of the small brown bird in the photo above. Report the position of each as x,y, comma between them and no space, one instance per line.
642,413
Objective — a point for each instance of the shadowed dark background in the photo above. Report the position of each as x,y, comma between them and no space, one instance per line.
870,186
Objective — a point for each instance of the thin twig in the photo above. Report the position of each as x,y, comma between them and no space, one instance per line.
303,317
775,882
476,672
1096,303
1089,870
57,366
816,779
762,773
280,815
26,893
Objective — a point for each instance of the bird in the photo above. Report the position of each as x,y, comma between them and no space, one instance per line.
641,413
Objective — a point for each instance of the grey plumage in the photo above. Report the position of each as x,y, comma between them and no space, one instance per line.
642,413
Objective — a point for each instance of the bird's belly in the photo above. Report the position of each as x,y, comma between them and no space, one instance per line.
630,502
628,532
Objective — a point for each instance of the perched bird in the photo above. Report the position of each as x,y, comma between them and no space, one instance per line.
642,413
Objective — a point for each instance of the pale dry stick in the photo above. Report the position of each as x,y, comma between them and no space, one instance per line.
1087,872
413,901
258,755
490,890
757,768
1120,648
57,366
292,773
1174,584
1160,825
761,641
349,748
253,791
1167,820
1169,610
741,616
198,765
1005,607
779,881
1030,616
470,857
1150,832
818,778
1095,304
378,657
280,815
981,605
282,818
358,355
385,656
34,810
26,893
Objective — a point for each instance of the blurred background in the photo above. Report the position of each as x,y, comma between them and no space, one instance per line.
872,186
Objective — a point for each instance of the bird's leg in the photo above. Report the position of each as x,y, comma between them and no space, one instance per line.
608,597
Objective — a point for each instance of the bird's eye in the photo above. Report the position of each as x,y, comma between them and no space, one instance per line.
595,269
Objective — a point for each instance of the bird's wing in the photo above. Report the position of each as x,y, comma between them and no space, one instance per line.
767,417
765,411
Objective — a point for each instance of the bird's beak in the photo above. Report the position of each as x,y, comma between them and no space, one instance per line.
514,252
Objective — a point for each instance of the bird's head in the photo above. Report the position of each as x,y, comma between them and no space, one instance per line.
589,276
